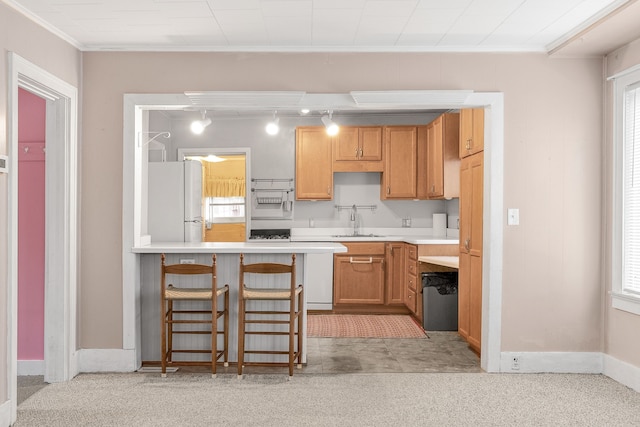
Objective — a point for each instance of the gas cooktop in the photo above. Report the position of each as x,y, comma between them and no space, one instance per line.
271,234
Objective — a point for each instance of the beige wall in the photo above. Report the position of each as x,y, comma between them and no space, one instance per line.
19,35
552,299
621,328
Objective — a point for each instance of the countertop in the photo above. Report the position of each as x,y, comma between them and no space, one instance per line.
267,246
446,261
416,236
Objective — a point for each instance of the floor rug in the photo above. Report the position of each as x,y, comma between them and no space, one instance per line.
363,326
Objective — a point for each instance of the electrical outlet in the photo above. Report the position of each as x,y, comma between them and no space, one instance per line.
515,363
187,261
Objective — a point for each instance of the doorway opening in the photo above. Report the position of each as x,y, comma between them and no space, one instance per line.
61,212
136,106
31,230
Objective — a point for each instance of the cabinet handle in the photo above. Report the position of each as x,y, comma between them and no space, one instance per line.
360,154
469,144
357,152
433,188
354,261
388,190
328,190
466,243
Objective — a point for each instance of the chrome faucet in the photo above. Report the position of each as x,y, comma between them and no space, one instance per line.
354,218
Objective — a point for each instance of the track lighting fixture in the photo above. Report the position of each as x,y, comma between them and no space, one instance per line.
329,124
198,126
273,127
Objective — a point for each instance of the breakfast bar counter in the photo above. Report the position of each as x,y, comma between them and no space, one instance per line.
310,256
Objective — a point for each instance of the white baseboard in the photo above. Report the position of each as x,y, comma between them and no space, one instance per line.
5,414
554,362
622,372
30,367
107,360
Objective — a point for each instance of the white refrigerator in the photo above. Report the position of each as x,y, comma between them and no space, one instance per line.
175,201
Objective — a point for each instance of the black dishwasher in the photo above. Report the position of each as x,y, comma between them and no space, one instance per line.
440,301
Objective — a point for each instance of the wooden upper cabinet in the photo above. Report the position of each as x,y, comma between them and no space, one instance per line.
358,149
443,170
400,163
314,155
471,131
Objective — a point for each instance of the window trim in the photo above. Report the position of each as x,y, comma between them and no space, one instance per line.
620,299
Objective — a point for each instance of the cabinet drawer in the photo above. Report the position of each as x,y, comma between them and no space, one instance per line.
412,281
412,252
364,248
412,268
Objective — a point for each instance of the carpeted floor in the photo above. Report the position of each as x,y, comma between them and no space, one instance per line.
333,400
363,326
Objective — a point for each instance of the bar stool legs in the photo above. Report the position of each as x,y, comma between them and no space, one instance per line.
292,317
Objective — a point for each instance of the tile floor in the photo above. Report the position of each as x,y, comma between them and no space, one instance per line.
439,352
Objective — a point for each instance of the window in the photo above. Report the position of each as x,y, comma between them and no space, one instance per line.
224,209
626,169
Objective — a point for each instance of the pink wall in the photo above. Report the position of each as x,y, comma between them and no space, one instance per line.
31,218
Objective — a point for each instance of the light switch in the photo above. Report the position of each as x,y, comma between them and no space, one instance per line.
513,216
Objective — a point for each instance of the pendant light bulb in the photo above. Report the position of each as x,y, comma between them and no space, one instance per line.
331,127
198,126
273,127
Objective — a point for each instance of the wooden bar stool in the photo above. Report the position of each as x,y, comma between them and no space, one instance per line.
292,317
178,293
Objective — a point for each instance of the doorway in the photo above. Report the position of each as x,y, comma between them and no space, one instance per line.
61,212
31,223
136,105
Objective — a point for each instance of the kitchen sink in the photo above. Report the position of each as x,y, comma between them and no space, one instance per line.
357,235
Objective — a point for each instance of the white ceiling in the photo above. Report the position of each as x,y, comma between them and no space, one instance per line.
320,25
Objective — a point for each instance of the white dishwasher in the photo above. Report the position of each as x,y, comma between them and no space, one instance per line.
318,281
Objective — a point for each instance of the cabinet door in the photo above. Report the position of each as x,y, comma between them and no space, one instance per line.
400,158
470,258
422,169
346,144
395,273
471,131
435,150
370,143
466,186
477,179
464,294
314,173
358,280
475,302
358,149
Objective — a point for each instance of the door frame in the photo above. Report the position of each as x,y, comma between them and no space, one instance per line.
61,221
135,105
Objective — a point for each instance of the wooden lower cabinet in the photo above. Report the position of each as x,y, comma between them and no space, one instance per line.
359,275
470,248
395,272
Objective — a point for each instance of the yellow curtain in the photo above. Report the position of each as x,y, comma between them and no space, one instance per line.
216,185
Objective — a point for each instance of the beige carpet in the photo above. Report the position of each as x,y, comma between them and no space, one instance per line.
363,326
142,400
